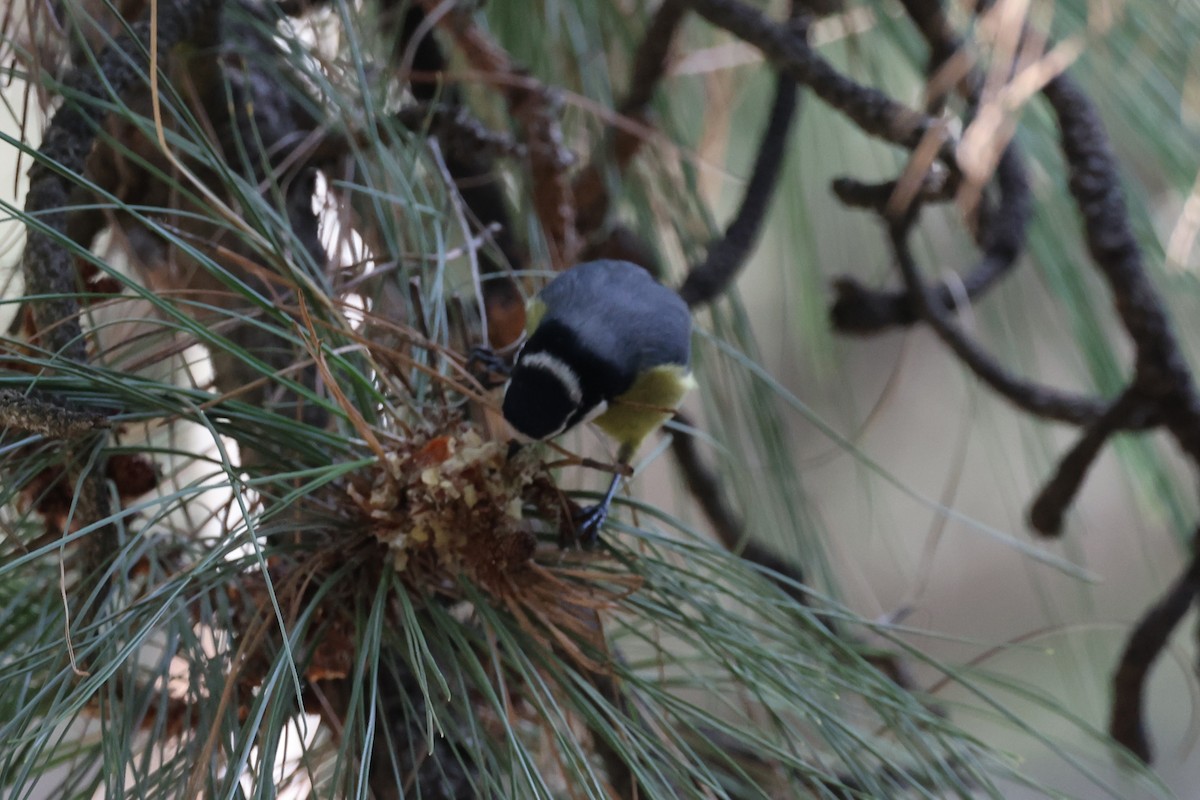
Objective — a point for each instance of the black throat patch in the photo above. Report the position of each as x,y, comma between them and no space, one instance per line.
539,401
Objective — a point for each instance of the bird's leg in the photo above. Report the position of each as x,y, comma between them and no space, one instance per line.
483,362
590,520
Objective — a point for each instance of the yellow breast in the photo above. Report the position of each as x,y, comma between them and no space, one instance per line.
650,402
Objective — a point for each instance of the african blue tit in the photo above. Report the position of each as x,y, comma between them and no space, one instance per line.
607,344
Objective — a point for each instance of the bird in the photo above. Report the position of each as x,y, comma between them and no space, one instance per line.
607,344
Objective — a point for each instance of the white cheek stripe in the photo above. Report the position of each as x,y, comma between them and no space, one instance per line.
561,372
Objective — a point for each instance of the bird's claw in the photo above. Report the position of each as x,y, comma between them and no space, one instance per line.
483,362
588,522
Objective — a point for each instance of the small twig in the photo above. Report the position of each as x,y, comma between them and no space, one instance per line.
650,59
727,255
1001,234
1127,720
1046,513
930,19
935,188
1000,230
29,413
873,111
1160,370
1096,188
1034,398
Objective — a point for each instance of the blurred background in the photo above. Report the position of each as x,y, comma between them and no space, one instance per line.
926,465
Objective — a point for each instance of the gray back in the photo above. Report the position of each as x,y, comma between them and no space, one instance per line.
617,308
